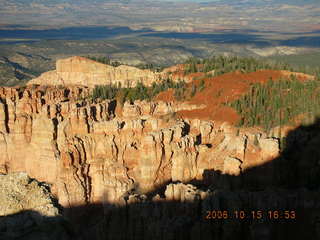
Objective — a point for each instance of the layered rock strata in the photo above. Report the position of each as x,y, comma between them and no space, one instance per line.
86,72
89,154
123,159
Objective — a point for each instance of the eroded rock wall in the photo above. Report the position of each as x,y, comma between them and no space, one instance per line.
138,172
86,72
90,154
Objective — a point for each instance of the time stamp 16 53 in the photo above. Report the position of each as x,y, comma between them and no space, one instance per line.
255,214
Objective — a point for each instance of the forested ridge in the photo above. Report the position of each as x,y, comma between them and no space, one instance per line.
221,65
278,102
275,103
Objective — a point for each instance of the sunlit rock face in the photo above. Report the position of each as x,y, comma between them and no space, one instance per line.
149,174
138,170
86,72
90,154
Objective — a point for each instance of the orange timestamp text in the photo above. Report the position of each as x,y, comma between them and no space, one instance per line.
254,214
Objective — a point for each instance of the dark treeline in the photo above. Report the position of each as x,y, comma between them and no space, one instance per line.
277,103
222,65
150,66
107,60
139,92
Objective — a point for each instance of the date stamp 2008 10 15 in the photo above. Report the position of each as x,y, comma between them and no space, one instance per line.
255,214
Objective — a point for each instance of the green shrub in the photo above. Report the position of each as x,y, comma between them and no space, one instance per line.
201,85
139,92
256,141
104,60
193,90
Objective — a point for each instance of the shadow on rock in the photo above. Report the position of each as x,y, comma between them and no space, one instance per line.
277,200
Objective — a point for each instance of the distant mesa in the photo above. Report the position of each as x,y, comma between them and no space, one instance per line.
83,71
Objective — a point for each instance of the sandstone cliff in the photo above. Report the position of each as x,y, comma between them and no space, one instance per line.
83,71
140,156
85,150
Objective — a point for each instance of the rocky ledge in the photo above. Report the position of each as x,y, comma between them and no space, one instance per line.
28,210
82,71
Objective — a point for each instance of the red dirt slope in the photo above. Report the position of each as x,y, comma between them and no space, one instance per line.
222,89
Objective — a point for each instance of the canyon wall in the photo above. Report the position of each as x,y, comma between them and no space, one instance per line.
86,72
137,171
89,153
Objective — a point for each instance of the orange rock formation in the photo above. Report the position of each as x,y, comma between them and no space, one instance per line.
98,153
83,71
89,154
